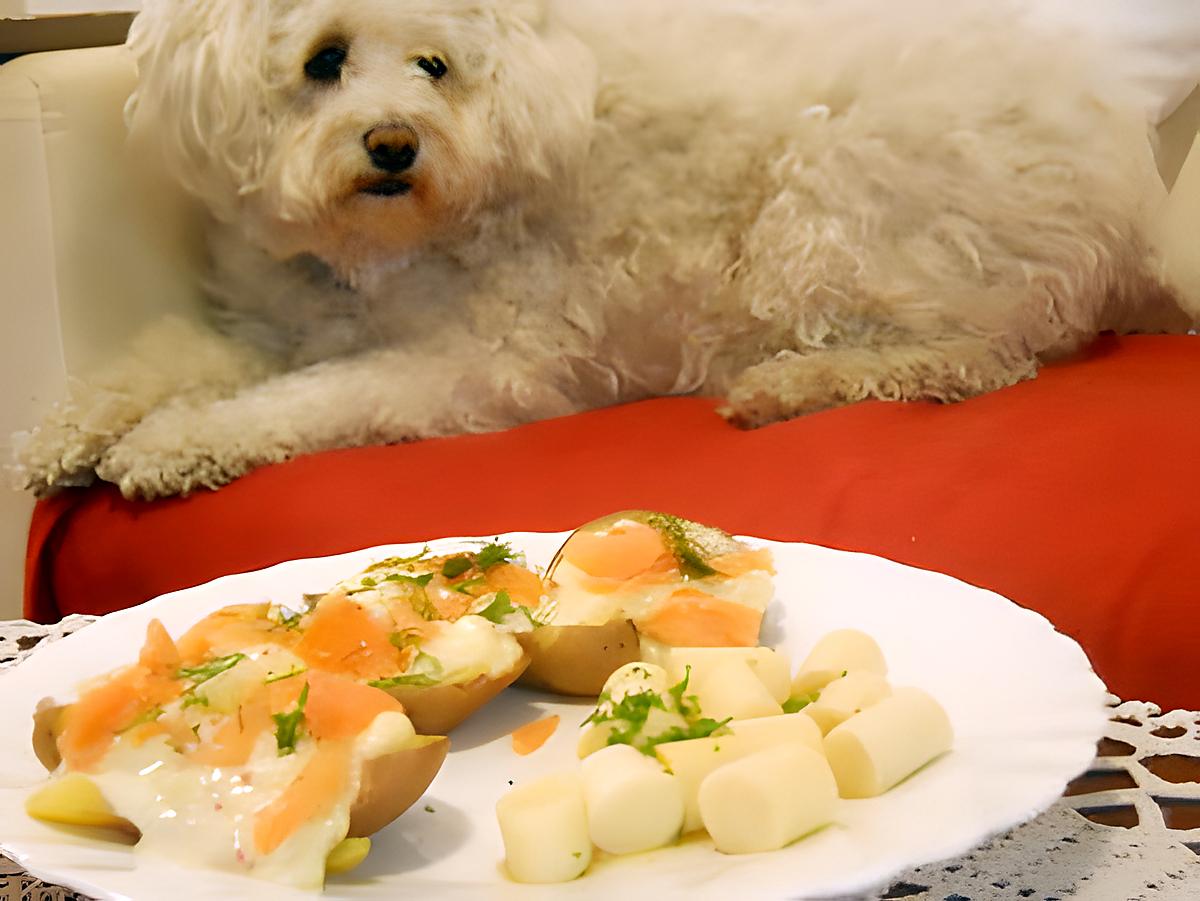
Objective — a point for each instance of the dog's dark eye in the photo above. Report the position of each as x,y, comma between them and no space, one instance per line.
326,64
433,66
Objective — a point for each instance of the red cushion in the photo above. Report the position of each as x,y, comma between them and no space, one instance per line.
1075,494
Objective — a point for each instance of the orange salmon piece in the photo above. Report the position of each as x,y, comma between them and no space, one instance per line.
528,738
407,619
159,655
450,605
283,694
523,587
741,562
693,619
625,550
232,629
318,787
234,740
343,637
340,708
104,710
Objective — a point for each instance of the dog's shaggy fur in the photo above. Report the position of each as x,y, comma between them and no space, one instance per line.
795,205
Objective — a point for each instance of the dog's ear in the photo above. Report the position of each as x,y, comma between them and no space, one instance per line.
199,100
543,99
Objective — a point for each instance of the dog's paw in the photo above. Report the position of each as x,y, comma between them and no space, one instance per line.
58,454
145,474
787,386
179,449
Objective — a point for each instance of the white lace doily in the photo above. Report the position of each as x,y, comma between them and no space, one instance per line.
1142,775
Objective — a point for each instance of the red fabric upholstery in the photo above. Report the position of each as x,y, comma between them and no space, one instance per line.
1075,494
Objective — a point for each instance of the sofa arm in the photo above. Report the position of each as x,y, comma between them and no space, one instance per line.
94,243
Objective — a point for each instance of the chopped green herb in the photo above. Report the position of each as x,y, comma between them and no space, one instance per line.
701,728
194,700
795,705
502,607
279,677
456,566
146,716
290,620
429,809
577,854
287,725
407,638
368,582
419,581
630,715
462,587
205,671
393,562
425,671
493,554
681,539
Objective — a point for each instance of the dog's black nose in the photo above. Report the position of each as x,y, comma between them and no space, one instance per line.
392,148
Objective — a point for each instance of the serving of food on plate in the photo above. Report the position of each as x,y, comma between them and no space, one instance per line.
263,726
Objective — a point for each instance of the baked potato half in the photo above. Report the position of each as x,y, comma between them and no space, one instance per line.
270,771
627,585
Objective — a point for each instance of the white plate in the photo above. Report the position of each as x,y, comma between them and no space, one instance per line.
1026,707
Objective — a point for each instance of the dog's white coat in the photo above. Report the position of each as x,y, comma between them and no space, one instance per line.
793,204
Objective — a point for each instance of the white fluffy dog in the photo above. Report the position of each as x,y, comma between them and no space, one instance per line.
439,216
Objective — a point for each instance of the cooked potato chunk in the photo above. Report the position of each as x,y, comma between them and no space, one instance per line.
74,800
346,855
875,749
632,803
545,830
767,799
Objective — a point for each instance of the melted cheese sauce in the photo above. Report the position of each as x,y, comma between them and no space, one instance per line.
204,816
585,600
471,647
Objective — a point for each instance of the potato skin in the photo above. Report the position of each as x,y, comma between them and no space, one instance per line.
392,783
47,725
436,709
577,660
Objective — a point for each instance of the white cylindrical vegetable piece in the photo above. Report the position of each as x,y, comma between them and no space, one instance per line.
545,830
731,689
875,749
632,803
764,731
692,760
768,799
632,678
772,667
841,651
843,698
636,677
593,737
